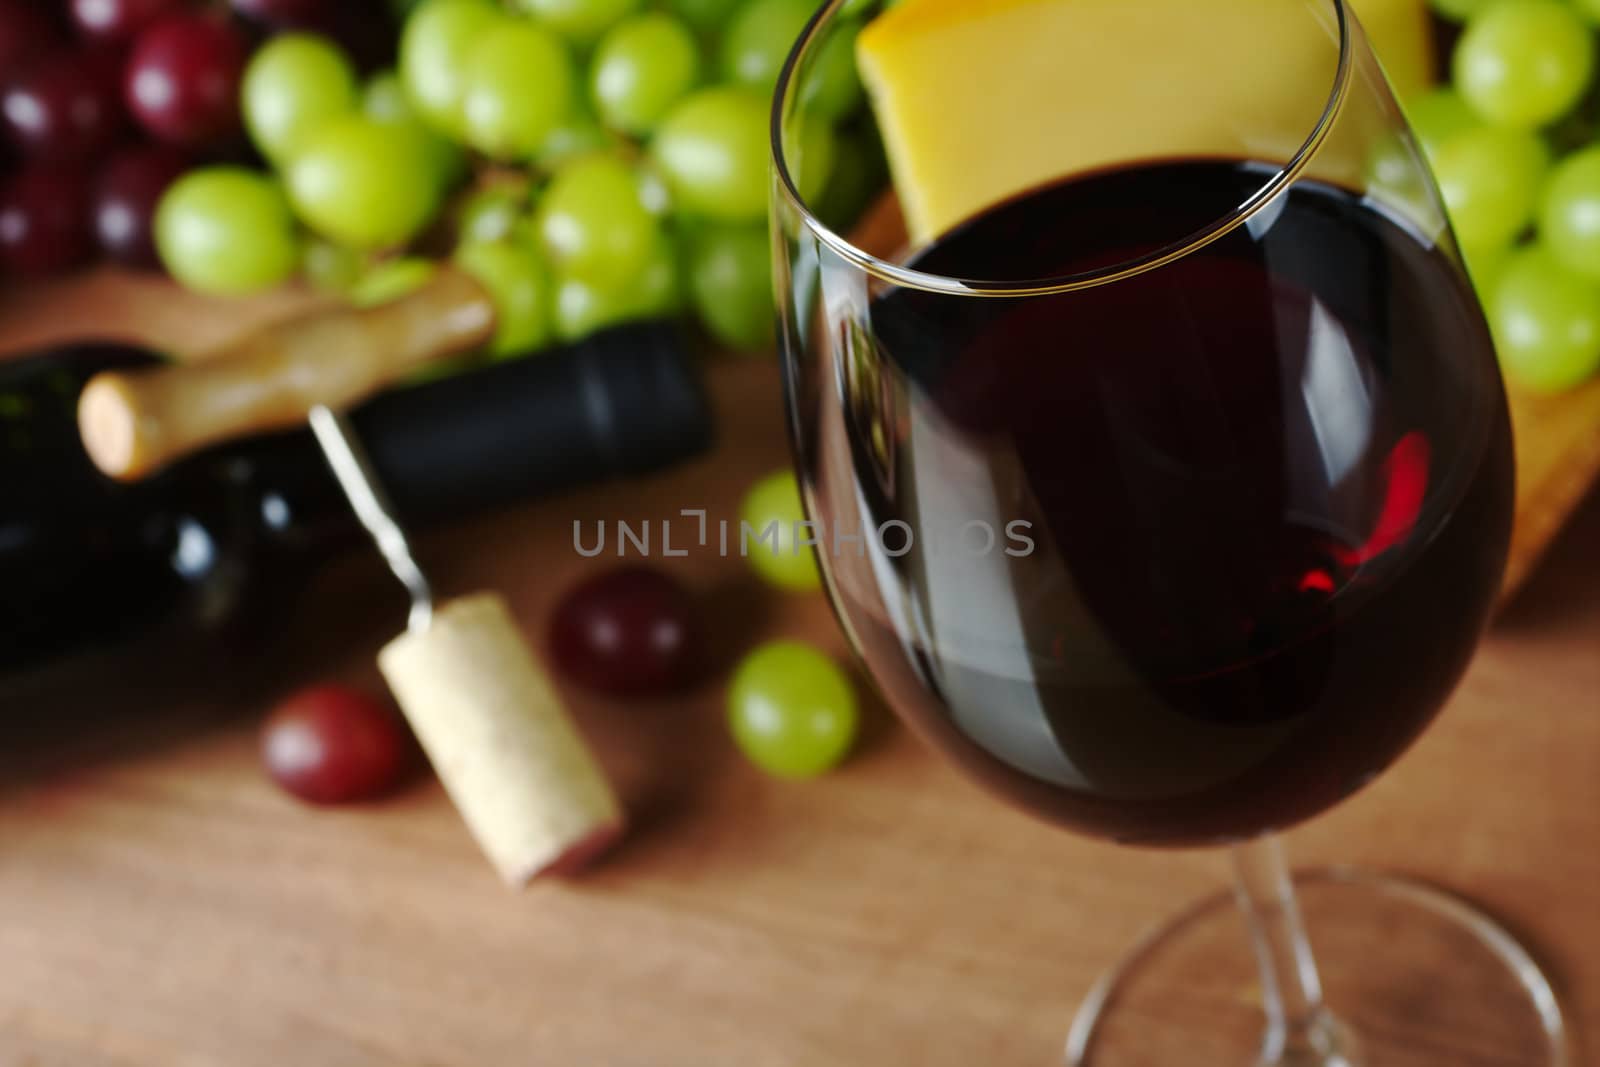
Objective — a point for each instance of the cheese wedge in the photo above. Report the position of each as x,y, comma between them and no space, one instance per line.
980,99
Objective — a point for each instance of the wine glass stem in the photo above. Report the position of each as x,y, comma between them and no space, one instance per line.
1301,1032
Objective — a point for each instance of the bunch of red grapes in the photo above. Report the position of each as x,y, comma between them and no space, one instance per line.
103,103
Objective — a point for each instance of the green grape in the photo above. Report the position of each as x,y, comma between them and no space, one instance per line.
643,65
1524,62
390,280
364,183
519,282
1490,179
592,224
711,150
1546,323
384,100
831,85
329,267
294,82
772,506
730,279
582,21
1438,115
792,710
1569,218
226,230
492,213
1589,9
1460,10
706,16
519,89
436,49
759,40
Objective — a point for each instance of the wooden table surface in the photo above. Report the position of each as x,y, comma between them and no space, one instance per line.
161,905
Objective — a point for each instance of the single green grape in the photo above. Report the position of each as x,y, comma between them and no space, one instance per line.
330,267
390,280
792,710
1524,62
831,85
384,100
518,280
644,64
706,16
711,150
1490,178
1546,322
294,82
1569,217
227,231
363,183
759,40
492,213
730,279
582,21
436,49
1438,115
770,534
518,90
592,224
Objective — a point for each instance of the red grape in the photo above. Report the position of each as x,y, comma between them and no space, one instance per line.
26,30
67,107
333,745
632,632
183,78
125,200
44,220
118,20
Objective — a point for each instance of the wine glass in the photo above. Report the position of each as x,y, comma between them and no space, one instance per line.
1162,474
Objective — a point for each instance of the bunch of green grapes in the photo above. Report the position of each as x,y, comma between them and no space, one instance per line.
589,161
1514,146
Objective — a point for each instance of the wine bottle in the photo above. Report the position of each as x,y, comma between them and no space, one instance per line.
214,541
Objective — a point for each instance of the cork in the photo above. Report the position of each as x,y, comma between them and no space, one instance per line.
500,741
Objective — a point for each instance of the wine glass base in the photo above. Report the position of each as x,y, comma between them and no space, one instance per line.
1415,976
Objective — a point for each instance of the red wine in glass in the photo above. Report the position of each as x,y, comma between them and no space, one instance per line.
1258,509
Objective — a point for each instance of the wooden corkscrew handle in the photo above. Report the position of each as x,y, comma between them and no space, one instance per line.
134,423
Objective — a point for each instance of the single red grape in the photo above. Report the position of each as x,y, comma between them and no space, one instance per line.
27,29
44,220
334,745
182,81
118,20
125,199
631,632
67,107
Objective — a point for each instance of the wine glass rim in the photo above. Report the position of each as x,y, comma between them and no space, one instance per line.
910,277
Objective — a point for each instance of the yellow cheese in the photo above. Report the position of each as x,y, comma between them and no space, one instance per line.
980,99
